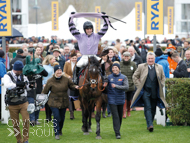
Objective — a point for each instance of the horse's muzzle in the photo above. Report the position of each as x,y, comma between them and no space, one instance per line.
93,83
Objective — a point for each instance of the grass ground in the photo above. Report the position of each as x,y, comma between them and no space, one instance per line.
133,130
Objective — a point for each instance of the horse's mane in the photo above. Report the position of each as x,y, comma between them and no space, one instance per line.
94,61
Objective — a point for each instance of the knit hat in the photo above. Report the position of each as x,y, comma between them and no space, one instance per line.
19,51
57,67
116,64
158,52
2,53
18,65
127,54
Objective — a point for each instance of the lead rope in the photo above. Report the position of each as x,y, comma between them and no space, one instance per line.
99,87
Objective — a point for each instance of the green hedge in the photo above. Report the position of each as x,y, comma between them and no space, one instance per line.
178,99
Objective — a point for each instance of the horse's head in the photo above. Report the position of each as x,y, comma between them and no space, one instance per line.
93,71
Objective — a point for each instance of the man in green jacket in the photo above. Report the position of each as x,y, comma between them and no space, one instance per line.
128,68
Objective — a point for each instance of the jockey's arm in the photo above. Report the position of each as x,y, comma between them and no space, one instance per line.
104,29
73,29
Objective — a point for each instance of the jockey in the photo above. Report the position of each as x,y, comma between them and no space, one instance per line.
88,43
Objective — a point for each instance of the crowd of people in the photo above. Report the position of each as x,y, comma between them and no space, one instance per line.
130,72
59,62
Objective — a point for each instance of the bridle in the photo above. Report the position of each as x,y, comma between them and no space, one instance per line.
91,82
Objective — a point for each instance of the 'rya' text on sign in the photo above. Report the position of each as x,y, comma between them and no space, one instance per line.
5,18
154,16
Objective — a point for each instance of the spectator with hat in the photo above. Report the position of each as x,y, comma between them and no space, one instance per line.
58,98
19,103
58,57
161,59
2,72
117,85
68,71
19,56
128,69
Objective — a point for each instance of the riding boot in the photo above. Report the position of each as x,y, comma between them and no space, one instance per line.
75,75
71,110
124,109
128,108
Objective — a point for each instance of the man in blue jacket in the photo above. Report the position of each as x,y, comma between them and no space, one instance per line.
2,72
161,59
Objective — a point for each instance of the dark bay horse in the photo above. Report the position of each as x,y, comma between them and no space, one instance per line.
90,92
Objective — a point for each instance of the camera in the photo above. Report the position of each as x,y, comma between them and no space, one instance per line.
13,95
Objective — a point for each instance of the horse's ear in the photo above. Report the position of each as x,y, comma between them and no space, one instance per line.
100,61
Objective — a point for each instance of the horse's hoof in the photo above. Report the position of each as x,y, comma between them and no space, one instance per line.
98,137
90,130
86,133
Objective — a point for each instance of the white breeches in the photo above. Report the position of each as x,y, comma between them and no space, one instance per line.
84,60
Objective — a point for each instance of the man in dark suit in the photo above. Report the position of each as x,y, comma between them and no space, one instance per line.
181,70
149,78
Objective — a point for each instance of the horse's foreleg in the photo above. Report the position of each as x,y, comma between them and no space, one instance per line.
98,116
90,123
85,121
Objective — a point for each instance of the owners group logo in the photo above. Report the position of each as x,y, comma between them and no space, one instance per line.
44,129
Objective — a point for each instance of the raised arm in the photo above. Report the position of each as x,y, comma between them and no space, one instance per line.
72,27
104,29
